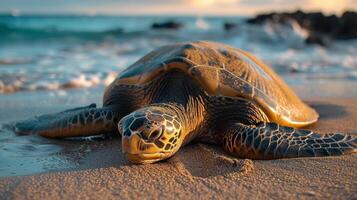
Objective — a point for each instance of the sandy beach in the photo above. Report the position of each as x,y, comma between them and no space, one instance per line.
98,170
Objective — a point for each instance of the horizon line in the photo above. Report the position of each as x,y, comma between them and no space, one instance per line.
16,13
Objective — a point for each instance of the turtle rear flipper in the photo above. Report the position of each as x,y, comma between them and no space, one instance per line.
271,141
83,121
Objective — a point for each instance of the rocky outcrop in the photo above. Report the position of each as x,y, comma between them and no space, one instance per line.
320,26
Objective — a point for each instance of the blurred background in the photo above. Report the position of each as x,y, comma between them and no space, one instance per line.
56,45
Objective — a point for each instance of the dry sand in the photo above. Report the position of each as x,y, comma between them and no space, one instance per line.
201,171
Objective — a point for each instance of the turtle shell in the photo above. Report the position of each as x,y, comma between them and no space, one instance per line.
225,71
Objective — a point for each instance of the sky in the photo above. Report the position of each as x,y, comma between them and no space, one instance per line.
171,7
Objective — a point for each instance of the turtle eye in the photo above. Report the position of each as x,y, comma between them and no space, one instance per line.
155,134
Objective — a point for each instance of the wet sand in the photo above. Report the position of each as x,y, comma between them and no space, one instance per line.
97,169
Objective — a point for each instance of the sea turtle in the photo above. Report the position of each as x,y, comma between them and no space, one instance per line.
202,91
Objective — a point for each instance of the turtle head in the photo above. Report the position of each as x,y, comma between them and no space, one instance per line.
150,135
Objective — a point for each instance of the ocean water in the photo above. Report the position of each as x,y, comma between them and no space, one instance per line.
61,52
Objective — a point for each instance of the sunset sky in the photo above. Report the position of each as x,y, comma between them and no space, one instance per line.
171,7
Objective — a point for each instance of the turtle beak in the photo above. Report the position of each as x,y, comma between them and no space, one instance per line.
139,152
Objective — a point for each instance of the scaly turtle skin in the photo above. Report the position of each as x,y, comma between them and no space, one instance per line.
201,91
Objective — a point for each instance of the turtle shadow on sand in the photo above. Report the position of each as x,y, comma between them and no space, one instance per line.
194,160
328,110
203,161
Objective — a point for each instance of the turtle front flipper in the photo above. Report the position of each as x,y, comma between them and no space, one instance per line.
271,141
83,121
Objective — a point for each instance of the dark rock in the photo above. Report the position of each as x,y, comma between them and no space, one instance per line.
322,28
230,26
166,25
348,28
315,38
